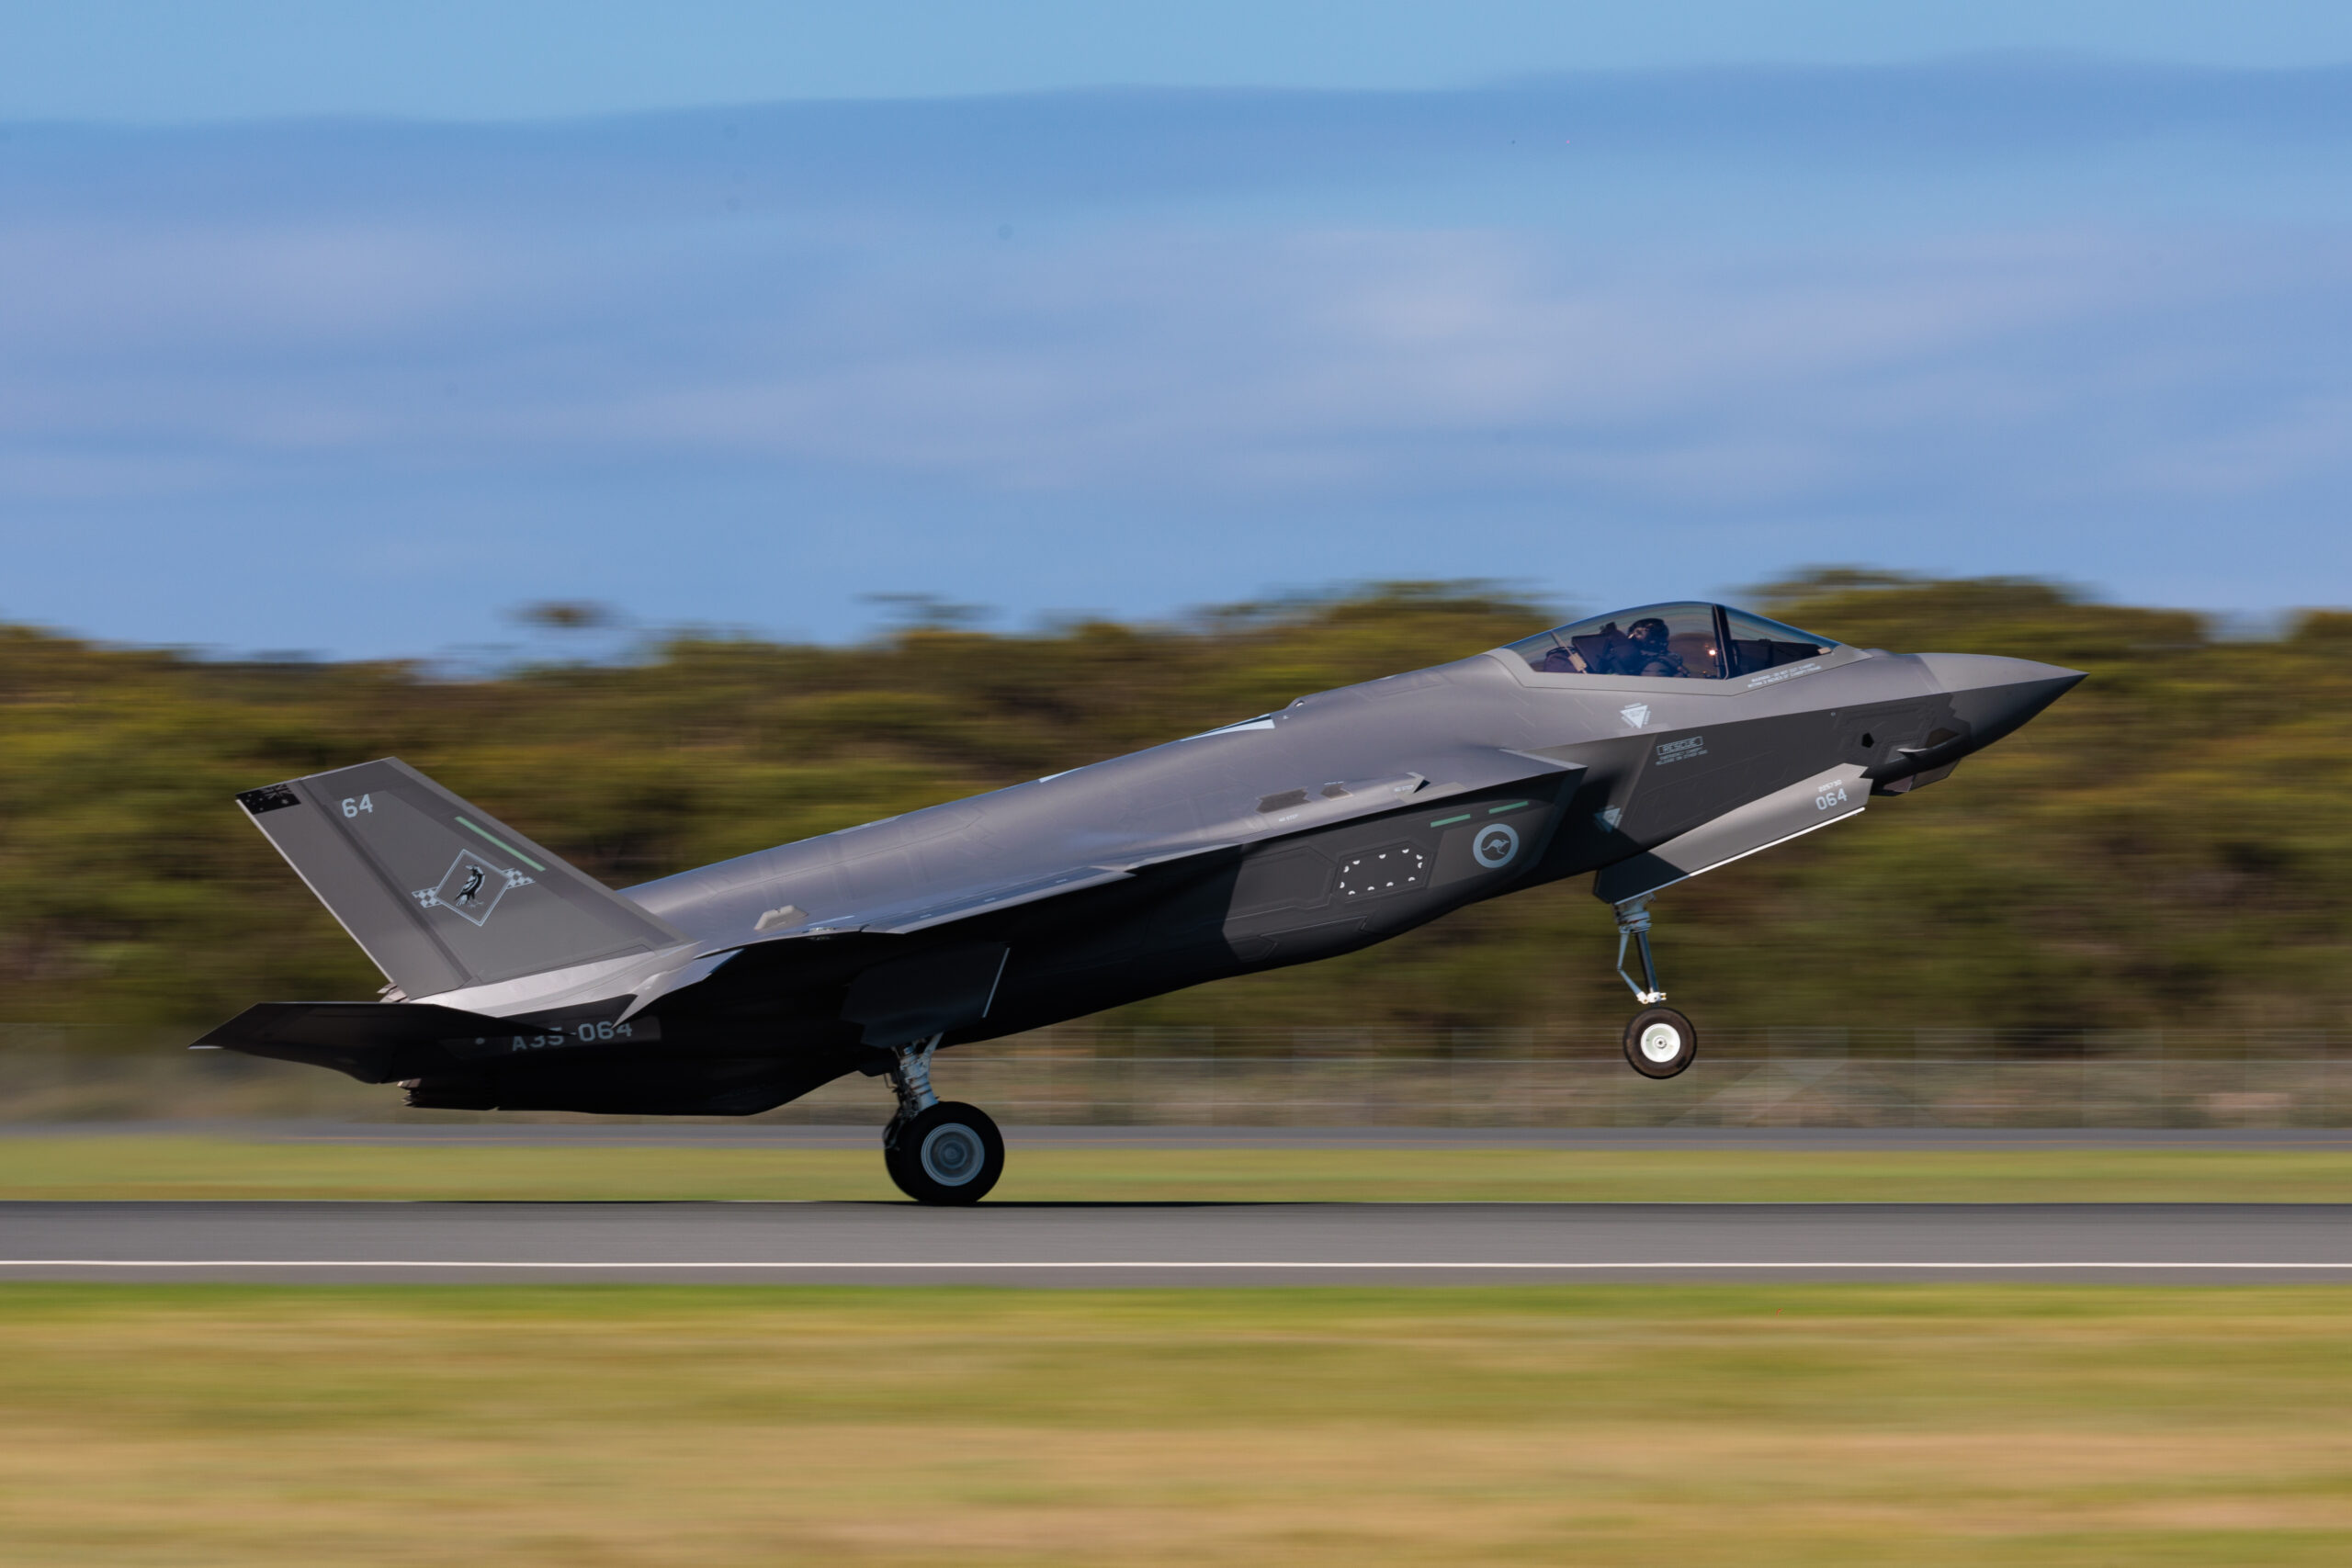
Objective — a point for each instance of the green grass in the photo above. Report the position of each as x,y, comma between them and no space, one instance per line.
169,1167
621,1427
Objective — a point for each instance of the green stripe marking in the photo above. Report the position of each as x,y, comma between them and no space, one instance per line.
504,845
1449,821
1513,806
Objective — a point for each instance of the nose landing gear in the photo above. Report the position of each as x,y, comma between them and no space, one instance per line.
1660,1042
938,1151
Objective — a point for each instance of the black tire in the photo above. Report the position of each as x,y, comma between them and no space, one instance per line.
950,1153
1660,1043
892,1161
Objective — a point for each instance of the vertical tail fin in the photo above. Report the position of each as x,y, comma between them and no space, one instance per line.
438,892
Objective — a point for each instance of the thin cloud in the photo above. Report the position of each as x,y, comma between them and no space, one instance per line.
1734,341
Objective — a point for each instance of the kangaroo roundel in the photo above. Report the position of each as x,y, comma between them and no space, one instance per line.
1497,846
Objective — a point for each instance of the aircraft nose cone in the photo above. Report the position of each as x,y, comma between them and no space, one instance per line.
1996,695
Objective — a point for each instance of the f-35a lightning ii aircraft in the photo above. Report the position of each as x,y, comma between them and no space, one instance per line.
1647,746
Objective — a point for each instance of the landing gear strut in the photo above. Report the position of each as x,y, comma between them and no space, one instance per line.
938,1151
1660,1042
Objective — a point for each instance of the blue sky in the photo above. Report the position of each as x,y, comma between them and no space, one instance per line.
179,59
738,317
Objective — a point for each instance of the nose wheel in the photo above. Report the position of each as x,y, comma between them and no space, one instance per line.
1660,1042
938,1151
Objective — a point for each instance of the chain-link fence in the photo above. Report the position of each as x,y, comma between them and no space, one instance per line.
1802,1078
1077,1075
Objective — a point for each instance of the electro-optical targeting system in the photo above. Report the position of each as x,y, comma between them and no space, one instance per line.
1646,747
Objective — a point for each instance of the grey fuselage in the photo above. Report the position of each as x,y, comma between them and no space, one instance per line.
1343,819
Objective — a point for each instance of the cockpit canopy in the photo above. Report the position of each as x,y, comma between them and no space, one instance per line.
1689,641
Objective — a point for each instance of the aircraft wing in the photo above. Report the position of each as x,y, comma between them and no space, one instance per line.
1276,817
1255,819
903,918
937,908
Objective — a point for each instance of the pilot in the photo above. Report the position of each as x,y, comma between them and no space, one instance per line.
1646,652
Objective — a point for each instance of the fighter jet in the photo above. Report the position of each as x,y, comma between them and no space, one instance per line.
1646,747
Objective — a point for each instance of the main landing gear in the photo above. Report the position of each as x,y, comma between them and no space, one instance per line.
1660,1042
938,1151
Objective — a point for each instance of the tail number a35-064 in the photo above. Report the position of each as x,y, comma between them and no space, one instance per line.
1832,795
585,1033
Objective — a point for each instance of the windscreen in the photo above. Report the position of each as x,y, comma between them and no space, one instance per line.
1758,644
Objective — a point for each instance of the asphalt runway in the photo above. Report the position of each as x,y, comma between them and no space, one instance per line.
1178,1244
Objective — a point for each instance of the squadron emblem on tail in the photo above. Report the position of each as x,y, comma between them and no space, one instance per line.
471,889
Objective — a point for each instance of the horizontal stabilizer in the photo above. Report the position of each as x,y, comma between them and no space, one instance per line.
1777,818
374,1042
439,892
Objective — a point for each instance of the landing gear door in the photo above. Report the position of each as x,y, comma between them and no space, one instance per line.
1826,797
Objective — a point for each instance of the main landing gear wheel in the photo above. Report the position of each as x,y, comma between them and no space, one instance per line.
937,1151
1660,1043
950,1153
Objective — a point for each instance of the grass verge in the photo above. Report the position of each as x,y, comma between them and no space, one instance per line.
620,1427
163,1167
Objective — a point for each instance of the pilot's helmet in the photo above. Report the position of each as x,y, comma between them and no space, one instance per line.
1647,626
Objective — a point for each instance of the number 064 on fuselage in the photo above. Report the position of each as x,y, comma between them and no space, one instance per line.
1647,747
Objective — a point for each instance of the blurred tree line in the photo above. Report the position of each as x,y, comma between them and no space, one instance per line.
2170,846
